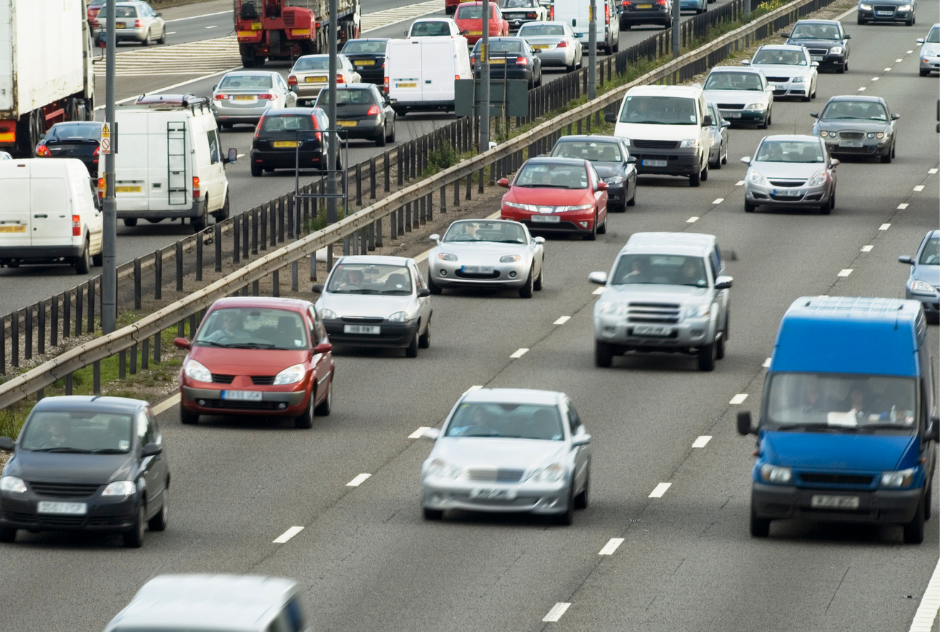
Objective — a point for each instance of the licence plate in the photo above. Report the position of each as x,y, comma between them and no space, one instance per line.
546,219
72,509
477,269
285,143
541,46
497,61
315,80
365,62
655,163
730,115
242,396
346,123
884,13
483,493
651,330
786,192
362,329
850,143
834,502
817,57
127,189
406,85
644,6
476,32
13,229
243,98
257,26
119,25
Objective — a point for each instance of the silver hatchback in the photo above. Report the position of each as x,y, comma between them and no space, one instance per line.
245,95
794,171
133,21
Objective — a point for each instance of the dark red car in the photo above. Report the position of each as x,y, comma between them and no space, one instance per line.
265,357
469,18
91,11
562,195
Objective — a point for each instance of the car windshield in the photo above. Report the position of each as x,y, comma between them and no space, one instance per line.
642,110
815,31
501,46
541,30
474,12
286,123
842,402
119,12
930,255
313,62
933,37
507,421
369,278
589,150
779,57
430,29
364,47
864,110
789,151
75,131
660,270
252,328
357,96
733,81
549,176
84,431
497,232
245,82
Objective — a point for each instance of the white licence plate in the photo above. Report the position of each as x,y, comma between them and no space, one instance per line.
545,219
72,509
655,163
477,269
485,493
884,13
817,57
244,396
834,502
651,330
850,143
787,192
730,115
362,329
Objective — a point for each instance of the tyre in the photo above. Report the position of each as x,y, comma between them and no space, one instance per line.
706,357
325,407
134,539
411,351
841,69
248,62
199,223
760,527
928,502
860,20
826,208
130,222
748,207
914,530
433,514
667,25
602,229
381,139
566,518
720,347
147,40
886,159
911,21
806,99
98,259
695,180
223,213
160,521
603,355
435,288
188,418
526,290
162,39
305,420
575,65
256,170
83,261
539,282
717,164
581,500
924,73
705,172
592,236
7,535
632,200
391,137
424,340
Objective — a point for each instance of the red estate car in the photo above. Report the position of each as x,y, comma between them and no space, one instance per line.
561,195
258,356
469,17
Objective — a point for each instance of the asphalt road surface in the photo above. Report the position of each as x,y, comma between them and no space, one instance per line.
366,560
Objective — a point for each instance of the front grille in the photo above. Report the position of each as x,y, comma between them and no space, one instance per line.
19,517
61,521
654,144
852,135
730,106
884,7
666,313
819,51
362,320
226,404
219,378
63,489
262,380
835,479
490,475
787,198
788,183
640,157
778,79
780,91
477,275
107,521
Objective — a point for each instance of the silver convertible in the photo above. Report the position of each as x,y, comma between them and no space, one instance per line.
509,450
487,253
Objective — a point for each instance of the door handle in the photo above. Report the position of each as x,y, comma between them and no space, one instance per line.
42,216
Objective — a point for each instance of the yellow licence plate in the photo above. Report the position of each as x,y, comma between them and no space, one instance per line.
497,61
127,189
364,62
285,143
476,32
346,123
315,79
119,25
406,85
243,98
644,6
256,26
13,229
541,46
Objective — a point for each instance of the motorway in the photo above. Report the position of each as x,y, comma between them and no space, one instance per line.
366,560
185,69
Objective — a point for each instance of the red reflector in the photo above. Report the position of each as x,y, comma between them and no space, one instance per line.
266,97
101,188
76,226
374,111
43,151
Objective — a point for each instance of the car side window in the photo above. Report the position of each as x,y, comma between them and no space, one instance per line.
144,429
213,146
574,421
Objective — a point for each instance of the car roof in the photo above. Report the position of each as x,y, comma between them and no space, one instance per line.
697,244
376,259
555,160
91,403
289,111
369,39
665,91
545,23
210,602
513,396
594,138
268,302
819,22
854,97
488,221
793,47
792,137
741,69
250,73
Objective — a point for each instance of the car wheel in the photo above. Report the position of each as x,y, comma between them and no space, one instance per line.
705,172
860,20
539,282
256,170
326,406
602,229
83,261
434,287
760,527
827,207
928,502
424,341
134,539
842,68
581,500
911,21
695,180
223,213
162,39
411,351
632,200
924,73
914,530
130,222
706,357
592,236
98,259
7,535
720,346
188,418
717,164
566,518
573,65
433,514
199,223
147,40
162,519
526,290
603,355
381,139
305,421
886,158
748,207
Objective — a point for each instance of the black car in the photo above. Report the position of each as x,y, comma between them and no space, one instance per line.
510,58
637,12
93,464
519,12
888,11
612,161
857,125
362,111
368,58
73,140
826,40
291,137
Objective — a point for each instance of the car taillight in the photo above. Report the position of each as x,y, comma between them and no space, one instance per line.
386,85
76,225
373,111
606,14
562,44
531,16
258,128
196,190
551,13
473,61
340,79
318,135
266,97
219,97
138,24
101,188
522,61
663,3
42,150
94,24
292,81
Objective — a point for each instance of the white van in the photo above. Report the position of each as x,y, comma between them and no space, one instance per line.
169,163
577,15
209,603
49,213
420,73
668,130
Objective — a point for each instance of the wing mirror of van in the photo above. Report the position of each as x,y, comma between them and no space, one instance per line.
745,426
723,282
231,158
707,121
598,278
610,117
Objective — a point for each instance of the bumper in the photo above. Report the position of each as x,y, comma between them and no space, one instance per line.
365,129
746,117
773,196
306,91
368,75
877,147
691,6
892,16
688,335
875,507
450,274
714,154
196,210
394,335
547,498
124,35
785,90
103,515
288,159
578,222
830,62
930,64
498,74
679,162
556,57
630,18
39,254
238,115
399,105
931,303
208,401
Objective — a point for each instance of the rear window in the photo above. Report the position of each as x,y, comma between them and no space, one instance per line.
245,82
474,13
430,29
360,47
541,30
314,62
75,131
362,96
119,12
287,123
501,46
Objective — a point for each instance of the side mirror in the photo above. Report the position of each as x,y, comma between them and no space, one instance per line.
429,433
835,163
932,434
323,347
435,237
707,121
920,40
214,87
601,186
745,427
317,288
151,449
503,182
580,440
745,62
610,117
7,444
726,123
159,15
814,64
465,32
814,114
631,160
539,240
746,160
231,158
181,343
723,282
895,117
847,36
598,278
785,34
424,292
909,260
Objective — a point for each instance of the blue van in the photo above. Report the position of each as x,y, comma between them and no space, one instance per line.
847,428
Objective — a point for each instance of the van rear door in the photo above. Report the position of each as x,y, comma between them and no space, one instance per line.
15,225
438,69
577,14
405,82
131,178
51,205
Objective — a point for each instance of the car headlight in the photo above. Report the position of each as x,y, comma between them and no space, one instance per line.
614,180
835,50
440,469
816,180
12,485
509,258
327,314
447,256
904,478
879,135
922,287
698,311
550,474
904,7
798,80
397,317
524,207
196,371
825,134
610,309
689,142
864,7
757,178
290,375
756,106
120,488
773,474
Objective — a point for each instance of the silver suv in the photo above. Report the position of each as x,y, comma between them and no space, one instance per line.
666,292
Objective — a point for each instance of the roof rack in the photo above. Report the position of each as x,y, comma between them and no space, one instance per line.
171,101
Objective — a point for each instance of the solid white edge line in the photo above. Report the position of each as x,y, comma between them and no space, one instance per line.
520,352
416,17
702,441
611,546
846,272
287,535
738,399
929,604
417,433
196,17
359,480
165,405
555,613
175,85
562,320
660,490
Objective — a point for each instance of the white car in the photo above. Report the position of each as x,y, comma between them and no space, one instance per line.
245,95
487,253
741,94
311,73
790,70
521,12
5,156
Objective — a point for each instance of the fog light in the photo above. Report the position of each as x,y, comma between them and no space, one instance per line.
583,224
609,332
281,406
697,333
201,402
436,499
443,272
512,275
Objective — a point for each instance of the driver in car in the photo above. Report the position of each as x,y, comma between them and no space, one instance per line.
231,328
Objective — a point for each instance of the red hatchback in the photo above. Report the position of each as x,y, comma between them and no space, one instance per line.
557,195
260,357
469,18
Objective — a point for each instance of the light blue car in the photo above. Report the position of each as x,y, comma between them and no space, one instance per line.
924,282
699,6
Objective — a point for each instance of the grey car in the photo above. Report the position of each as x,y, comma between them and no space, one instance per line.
790,171
509,450
487,253
666,292
743,95
924,282
930,51
245,95
853,125
133,21
554,43
718,149
374,301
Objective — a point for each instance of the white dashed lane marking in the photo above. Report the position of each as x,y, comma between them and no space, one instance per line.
287,535
611,546
718,200
691,220
884,227
867,248
919,187
599,290
902,206
555,613
738,399
702,441
862,89
739,183
932,171
359,480
660,490
562,320
475,387
846,272
520,352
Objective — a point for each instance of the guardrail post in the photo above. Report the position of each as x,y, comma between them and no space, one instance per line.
401,221
199,257
96,378
15,339
469,181
28,347
53,325
122,363
68,384
276,283
244,221
281,218
255,288
66,314
91,306
157,347
255,215
145,354
408,217
372,178
79,301
388,168
359,184
393,225
236,233
217,242
273,213
263,224
364,240
134,359
422,211
179,265
378,233
443,199
193,324
158,275
401,166
181,329
41,334
371,236
480,180
3,346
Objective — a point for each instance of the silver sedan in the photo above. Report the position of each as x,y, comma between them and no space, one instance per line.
790,171
134,21
244,96
487,253
554,43
509,450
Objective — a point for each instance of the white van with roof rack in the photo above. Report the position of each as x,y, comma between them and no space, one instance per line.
168,163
